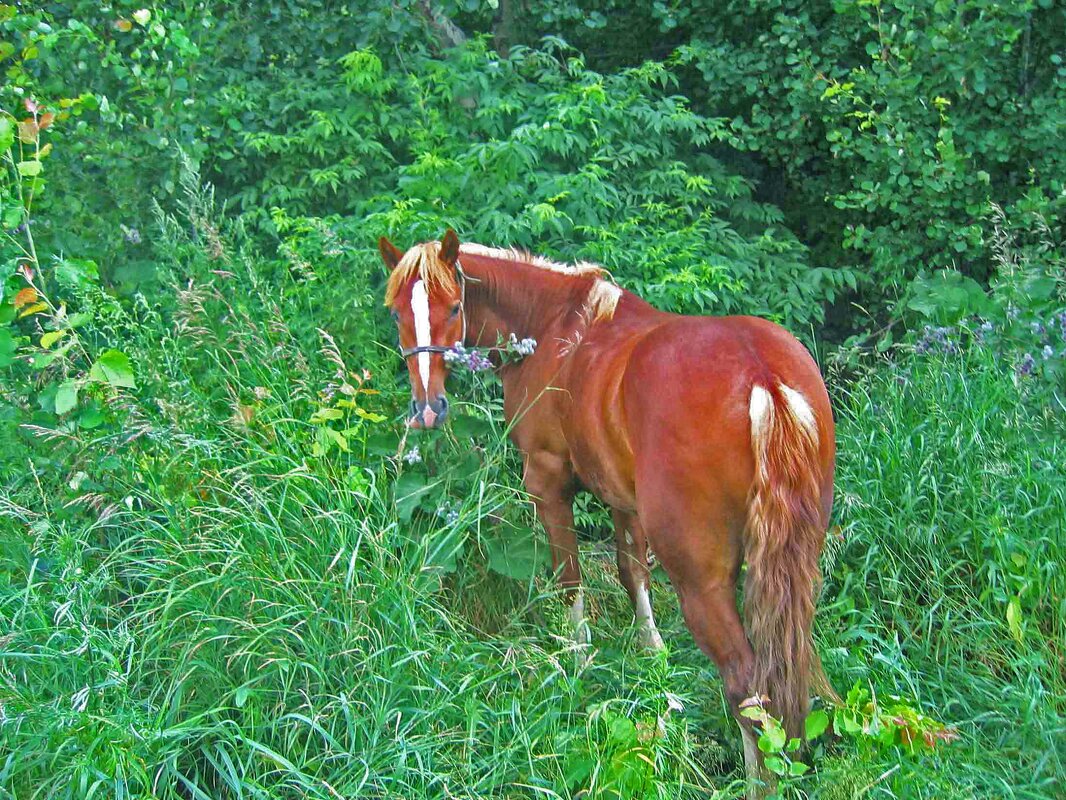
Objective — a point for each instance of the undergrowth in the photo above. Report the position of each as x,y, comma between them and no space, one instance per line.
208,596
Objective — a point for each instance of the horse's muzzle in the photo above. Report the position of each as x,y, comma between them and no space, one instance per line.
429,415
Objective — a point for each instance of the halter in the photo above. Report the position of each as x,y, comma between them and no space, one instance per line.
407,352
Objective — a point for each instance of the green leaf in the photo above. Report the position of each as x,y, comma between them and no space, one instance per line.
775,764
369,416
384,443
817,722
13,214
29,169
773,737
66,396
326,414
517,554
623,731
91,416
797,768
79,272
339,439
473,427
113,367
409,490
1014,618
47,359
50,338
7,127
7,347
578,769
445,548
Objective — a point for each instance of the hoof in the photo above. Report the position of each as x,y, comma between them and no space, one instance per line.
651,640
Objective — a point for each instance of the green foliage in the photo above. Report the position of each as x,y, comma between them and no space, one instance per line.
1022,318
893,124
882,129
945,580
54,318
215,606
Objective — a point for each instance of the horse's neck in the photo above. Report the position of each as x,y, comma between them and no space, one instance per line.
519,299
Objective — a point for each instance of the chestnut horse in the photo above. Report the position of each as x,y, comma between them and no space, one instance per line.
711,439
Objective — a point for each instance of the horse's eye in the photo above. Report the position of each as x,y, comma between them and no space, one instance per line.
455,310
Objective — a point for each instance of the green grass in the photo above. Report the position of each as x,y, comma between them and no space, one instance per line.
192,605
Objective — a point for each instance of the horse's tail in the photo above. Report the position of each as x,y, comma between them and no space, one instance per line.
786,530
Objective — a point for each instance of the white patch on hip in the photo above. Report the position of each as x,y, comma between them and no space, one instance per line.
760,407
420,307
649,634
800,408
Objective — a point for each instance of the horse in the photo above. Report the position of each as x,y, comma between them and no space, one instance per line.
710,438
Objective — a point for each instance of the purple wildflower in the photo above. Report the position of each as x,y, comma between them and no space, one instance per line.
1026,367
471,359
936,340
132,235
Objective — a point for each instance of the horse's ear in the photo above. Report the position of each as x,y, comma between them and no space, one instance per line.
449,247
390,254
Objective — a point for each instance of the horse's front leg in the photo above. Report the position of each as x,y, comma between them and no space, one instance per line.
549,479
632,547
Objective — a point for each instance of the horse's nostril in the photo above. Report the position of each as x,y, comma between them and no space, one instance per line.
444,404
414,408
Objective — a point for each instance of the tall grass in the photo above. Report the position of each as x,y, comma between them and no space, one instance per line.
193,605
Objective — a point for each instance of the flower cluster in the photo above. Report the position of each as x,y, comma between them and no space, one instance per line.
1026,366
450,515
1027,343
937,340
412,456
982,332
131,235
523,348
471,358
1049,334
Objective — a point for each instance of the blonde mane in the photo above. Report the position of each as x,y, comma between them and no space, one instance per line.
423,261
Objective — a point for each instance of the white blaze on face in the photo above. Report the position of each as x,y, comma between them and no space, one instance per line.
420,307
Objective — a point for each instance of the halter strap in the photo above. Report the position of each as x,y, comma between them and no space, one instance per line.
407,352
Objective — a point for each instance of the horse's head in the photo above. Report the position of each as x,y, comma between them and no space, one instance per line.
425,295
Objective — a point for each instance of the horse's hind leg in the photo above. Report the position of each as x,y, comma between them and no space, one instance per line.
632,548
700,548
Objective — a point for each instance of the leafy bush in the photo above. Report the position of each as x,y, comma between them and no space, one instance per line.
882,129
1022,319
893,124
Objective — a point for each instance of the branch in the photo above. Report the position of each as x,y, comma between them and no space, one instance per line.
450,34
